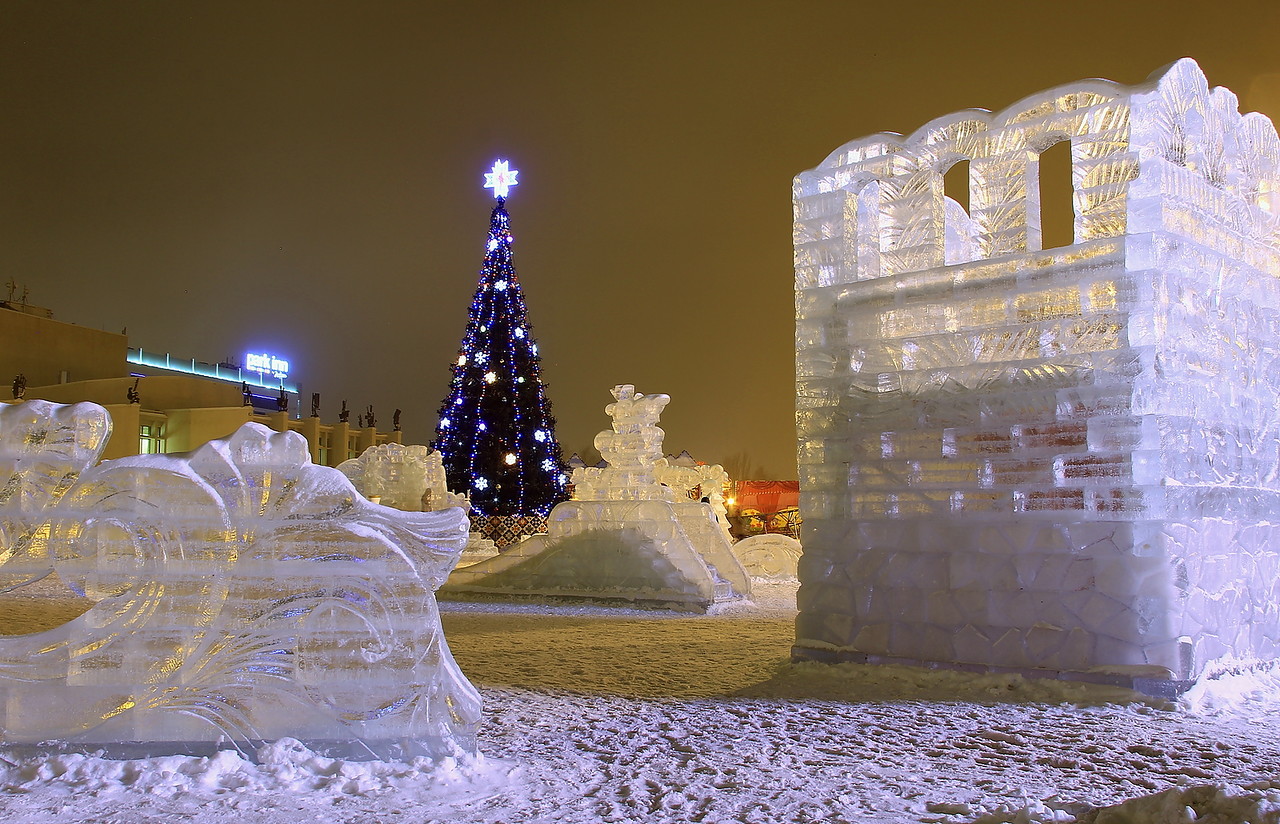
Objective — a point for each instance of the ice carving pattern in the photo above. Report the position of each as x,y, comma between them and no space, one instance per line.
1045,459
702,482
242,594
770,556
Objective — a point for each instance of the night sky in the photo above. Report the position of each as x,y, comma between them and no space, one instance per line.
306,177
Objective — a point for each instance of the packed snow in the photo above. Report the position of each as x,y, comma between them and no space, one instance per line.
598,714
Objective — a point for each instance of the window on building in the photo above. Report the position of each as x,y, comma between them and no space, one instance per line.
352,452
150,439
323,442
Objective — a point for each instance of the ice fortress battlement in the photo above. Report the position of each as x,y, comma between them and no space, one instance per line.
1065,460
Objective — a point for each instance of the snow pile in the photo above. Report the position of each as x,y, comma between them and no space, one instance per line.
1232,685
285,766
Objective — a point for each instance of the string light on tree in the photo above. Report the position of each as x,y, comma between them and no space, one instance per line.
496,432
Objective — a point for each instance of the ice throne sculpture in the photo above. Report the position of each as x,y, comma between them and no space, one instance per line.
242,595
1056,461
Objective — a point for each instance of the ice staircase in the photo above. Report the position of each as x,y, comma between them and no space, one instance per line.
656,553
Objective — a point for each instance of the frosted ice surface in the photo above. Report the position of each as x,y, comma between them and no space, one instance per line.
242,595
701,482
1053,460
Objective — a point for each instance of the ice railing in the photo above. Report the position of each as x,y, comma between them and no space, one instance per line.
242,594
877,206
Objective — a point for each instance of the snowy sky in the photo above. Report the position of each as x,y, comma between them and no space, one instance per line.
306,177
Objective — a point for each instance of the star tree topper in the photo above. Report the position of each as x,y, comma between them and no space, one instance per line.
501,179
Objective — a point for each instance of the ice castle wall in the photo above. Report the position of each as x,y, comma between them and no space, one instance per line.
1056,460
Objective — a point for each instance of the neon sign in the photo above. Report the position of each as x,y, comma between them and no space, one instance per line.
267,365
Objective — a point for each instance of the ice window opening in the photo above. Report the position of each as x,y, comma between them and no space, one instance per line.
1052,187
960,232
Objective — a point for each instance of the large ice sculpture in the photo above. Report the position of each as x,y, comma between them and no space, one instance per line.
631,448
1054,460
242,594
625,536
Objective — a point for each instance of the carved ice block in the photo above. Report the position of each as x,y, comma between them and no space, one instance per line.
242,595
965,394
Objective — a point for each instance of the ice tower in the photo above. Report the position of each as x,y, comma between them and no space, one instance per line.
1054,461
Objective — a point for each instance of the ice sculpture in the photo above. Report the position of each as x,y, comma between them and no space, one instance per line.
1059,460
770,556
631,448
625,536
700,482
242,594
410,478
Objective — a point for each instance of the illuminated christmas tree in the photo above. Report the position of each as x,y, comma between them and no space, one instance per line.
496,433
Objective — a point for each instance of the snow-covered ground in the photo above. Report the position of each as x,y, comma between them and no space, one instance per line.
606,715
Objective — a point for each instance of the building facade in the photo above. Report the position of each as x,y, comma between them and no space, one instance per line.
158,404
